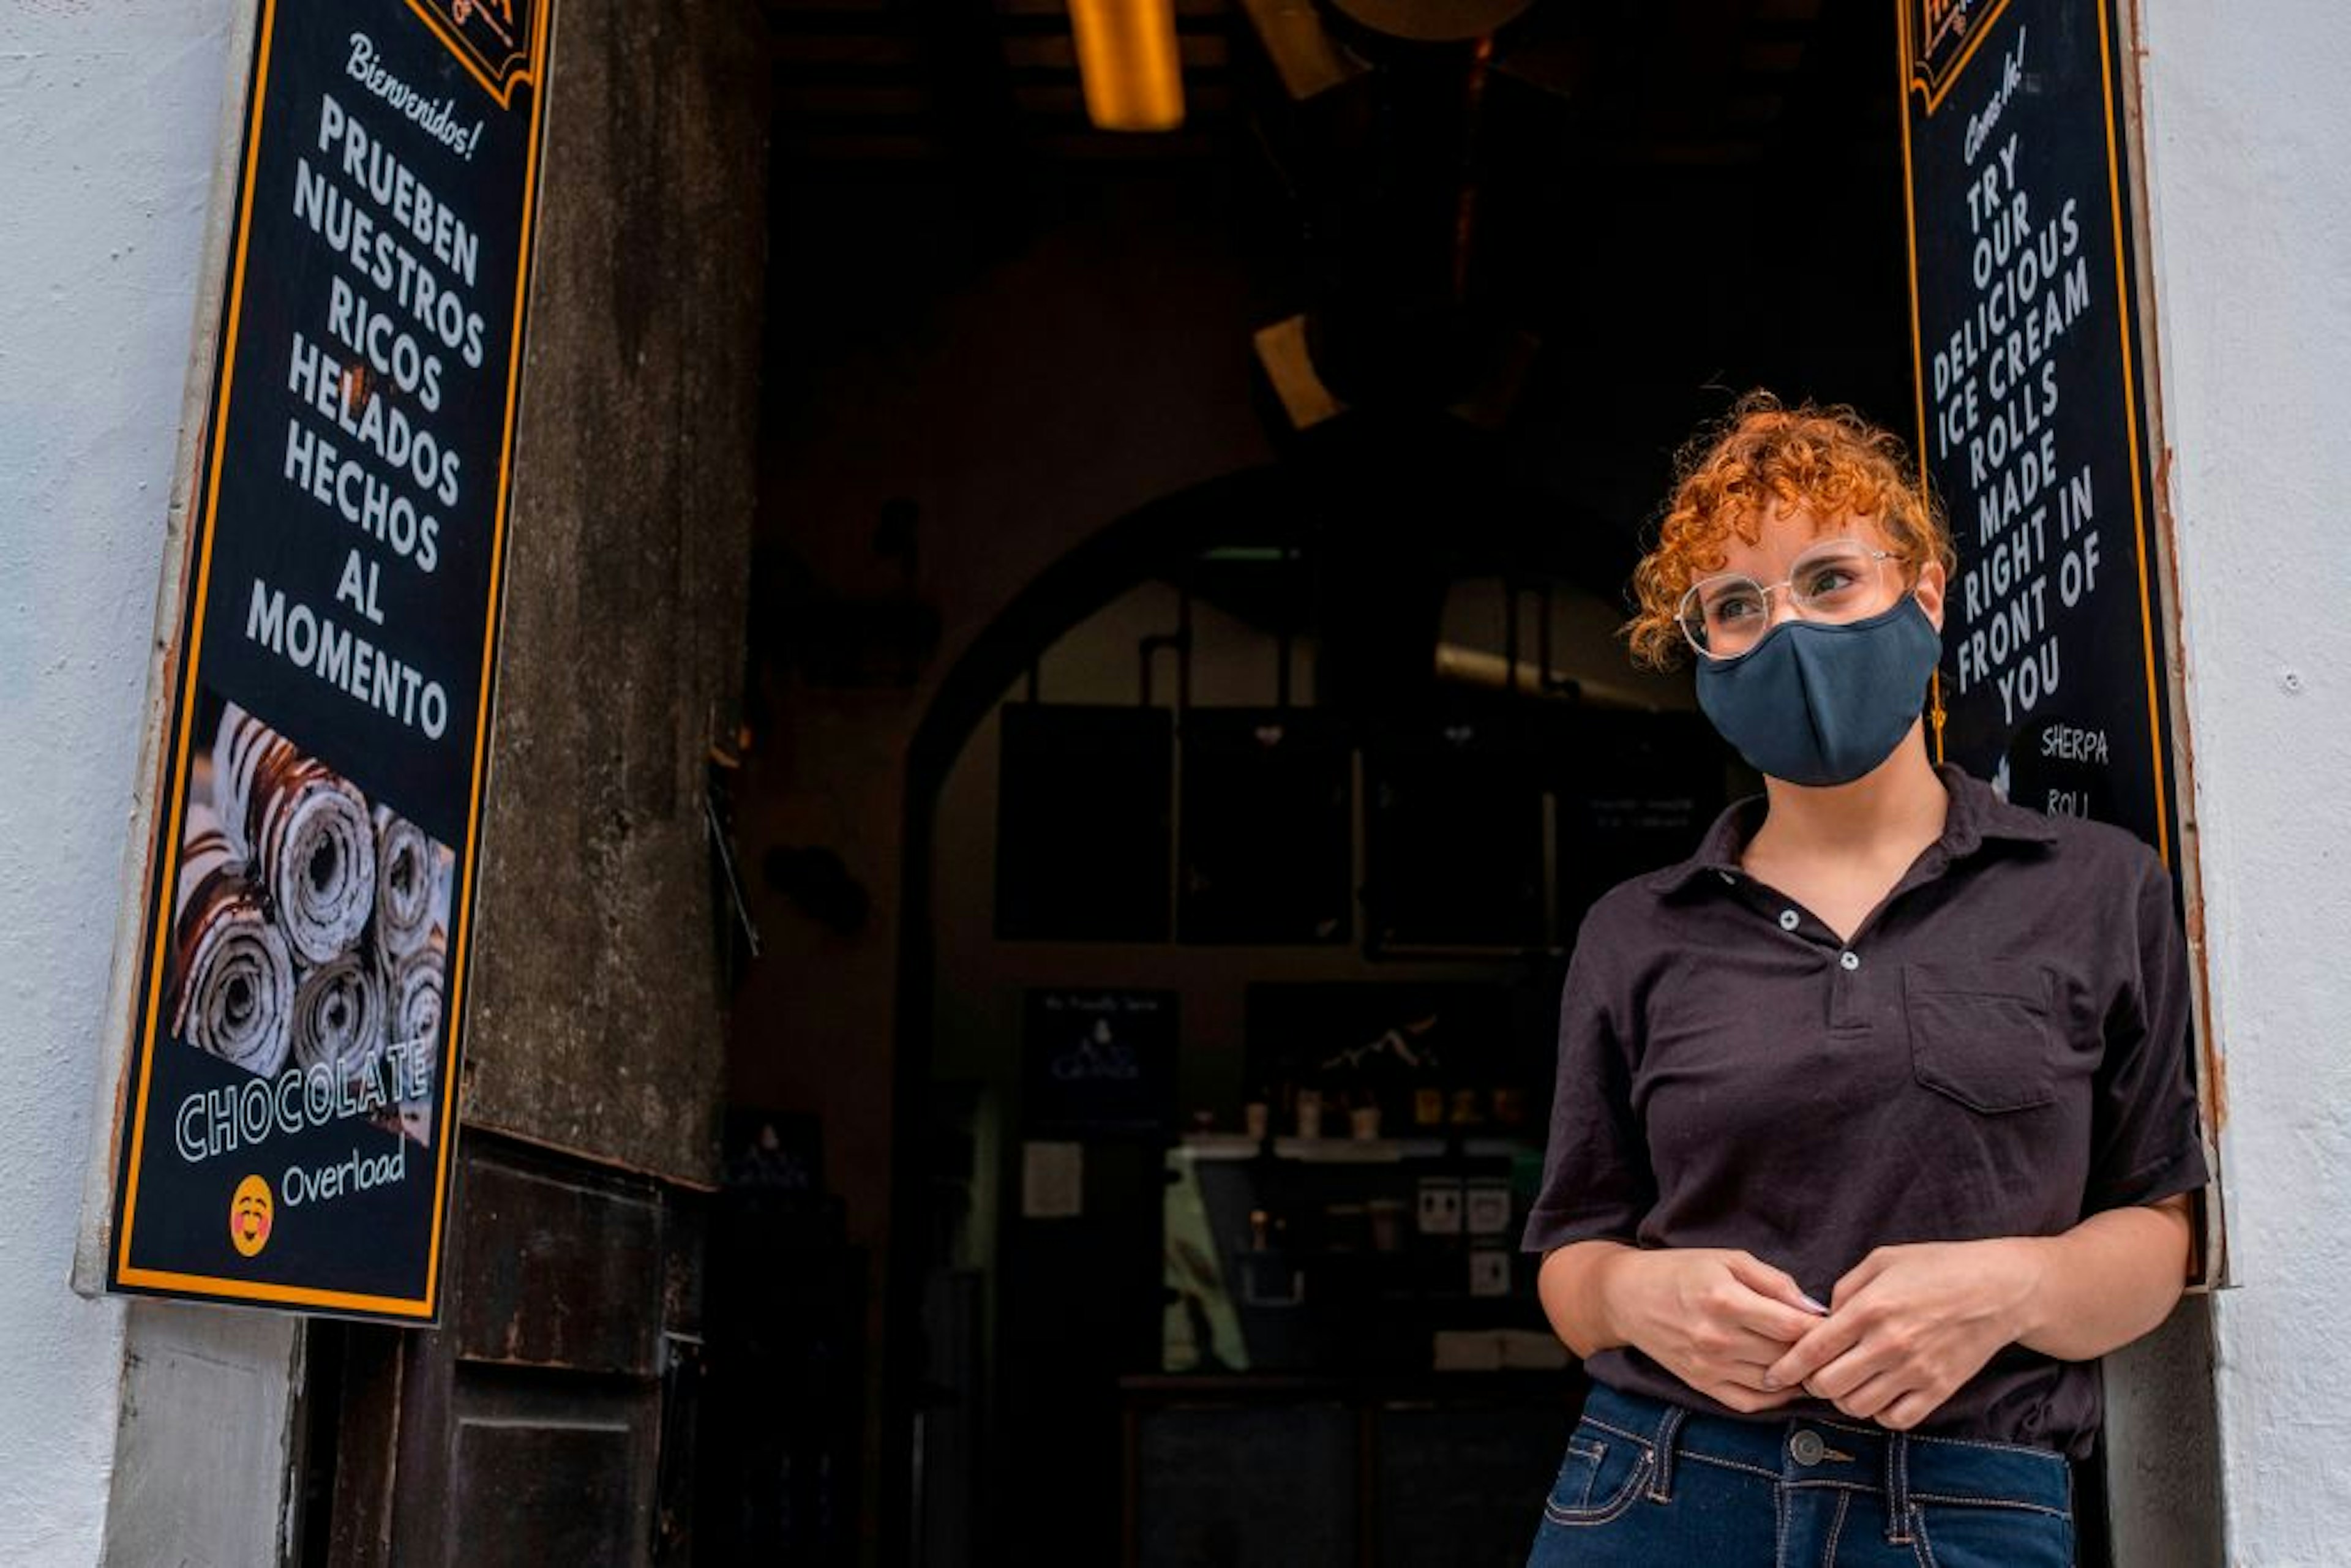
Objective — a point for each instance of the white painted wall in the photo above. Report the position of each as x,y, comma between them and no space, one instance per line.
107,116
2251,212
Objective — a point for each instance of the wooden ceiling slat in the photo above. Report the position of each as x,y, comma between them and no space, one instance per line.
1762,58
854,51
1660,83
812,103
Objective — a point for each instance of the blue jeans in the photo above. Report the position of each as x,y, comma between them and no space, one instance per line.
1647,1482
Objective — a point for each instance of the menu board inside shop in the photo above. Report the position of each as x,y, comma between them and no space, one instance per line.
1098,1064
2030,428
287,1113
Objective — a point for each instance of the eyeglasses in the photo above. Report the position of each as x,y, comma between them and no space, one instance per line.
1835,581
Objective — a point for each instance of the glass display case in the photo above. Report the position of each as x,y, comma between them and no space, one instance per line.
1345,1254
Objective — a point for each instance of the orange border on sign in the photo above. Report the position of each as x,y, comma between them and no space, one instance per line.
1902,65
125,1272
1935,92
467,57
2130,422
2125,322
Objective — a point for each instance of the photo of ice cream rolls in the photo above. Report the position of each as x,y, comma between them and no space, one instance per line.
309,926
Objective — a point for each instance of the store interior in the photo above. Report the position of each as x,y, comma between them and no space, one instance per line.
1185,723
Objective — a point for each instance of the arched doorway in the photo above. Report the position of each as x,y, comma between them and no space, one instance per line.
1378,605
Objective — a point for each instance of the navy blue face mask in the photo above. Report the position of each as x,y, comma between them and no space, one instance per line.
1820,703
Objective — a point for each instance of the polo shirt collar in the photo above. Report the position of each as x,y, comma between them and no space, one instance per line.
1976,814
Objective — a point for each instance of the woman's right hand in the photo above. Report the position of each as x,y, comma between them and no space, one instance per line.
1715,1317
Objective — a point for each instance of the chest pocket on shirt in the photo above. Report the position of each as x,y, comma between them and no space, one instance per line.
1980,1033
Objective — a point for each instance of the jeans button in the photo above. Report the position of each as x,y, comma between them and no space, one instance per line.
1807,1447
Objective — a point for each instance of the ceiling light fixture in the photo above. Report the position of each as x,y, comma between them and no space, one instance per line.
1128,63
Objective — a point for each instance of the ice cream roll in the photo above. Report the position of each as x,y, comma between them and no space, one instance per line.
413,991
407,884
232,979
339,1015
305,831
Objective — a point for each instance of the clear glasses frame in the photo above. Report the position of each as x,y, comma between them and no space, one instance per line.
1711,610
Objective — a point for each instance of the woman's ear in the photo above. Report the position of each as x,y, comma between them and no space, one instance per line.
1930,591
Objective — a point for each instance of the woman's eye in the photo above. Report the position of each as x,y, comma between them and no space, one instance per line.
1828,580
1733,609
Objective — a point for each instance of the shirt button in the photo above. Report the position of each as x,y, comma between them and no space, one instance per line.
1788,918
1850,960
1807,1447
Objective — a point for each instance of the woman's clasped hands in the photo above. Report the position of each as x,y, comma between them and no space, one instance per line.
1901,1332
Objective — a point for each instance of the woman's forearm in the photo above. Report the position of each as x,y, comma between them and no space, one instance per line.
1570,1284
2104,1284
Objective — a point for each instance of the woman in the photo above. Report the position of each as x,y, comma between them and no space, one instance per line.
1872,1128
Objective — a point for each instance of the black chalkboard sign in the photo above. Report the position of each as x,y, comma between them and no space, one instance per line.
1265,827
2031,423
1098,1062
1634,791
1084,813
1453,832
287,1117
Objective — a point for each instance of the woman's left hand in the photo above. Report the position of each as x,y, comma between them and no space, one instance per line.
1908,1324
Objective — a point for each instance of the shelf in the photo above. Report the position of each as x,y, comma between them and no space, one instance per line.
1351,1151
1375,1382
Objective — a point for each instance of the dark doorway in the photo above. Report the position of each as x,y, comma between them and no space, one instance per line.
1357,1351
1009,314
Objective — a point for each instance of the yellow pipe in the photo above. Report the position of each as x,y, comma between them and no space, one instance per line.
1128,63
1476,667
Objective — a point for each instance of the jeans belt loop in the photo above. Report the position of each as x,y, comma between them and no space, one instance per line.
1661,1485
1897,1488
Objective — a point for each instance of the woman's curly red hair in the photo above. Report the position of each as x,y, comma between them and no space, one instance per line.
1825,457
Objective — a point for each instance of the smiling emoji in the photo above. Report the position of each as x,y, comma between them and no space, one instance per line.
248,1216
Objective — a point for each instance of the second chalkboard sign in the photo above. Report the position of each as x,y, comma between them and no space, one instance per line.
2031,415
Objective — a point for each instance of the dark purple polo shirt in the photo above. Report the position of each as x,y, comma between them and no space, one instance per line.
2000,1050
